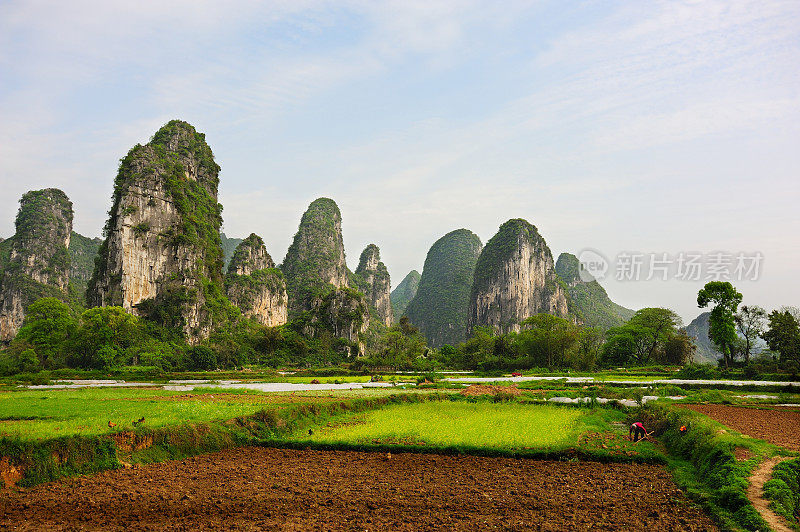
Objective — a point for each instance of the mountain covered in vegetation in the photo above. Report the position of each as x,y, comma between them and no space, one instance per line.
162,255
372,279
706,351
82,252
228,248
318,282
441,305
254,285
37,261
402,295
515,278
588,301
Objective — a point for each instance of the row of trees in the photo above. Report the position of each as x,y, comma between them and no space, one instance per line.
104,337
53,337
735,330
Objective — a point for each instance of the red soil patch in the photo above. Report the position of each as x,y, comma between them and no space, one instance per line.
780,426
488,389
742,454
279,489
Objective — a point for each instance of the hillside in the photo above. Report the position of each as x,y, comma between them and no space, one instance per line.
588,300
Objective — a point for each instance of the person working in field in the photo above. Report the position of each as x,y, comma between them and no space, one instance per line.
637,431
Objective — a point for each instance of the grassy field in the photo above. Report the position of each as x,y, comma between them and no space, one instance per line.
450,423
35,414
502,427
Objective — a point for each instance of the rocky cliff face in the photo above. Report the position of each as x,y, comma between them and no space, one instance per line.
162,255
228,247
404,293
316,257
441,305
254,284
373,280
706,352
515,278
588,301
38,262
317,279
82,252
343,312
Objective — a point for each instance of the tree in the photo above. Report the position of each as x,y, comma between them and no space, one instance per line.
722,325
590,343
750,324
643,338
679,349
547,339
783,335
103,335
47,326
201,357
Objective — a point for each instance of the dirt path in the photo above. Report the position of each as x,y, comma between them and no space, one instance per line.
279,489
777,425
755,492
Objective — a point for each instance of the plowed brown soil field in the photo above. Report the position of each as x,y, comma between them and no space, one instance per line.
778,425
278,489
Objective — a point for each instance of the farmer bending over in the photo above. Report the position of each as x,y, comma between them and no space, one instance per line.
637,431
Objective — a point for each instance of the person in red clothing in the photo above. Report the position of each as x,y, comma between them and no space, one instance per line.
637,431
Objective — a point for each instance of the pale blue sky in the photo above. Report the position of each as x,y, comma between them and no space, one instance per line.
620,126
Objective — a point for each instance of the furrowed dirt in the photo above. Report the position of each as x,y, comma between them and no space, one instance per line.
257,488
778,425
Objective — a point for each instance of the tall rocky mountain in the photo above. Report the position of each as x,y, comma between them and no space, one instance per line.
372,279
317,278
82,252
162,255
404,292
515,278
38,262
254,284
228,247
588,301
440,307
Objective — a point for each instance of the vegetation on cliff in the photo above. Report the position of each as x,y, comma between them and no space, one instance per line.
588,301
228,247
441,304
514,279
371,278
315,261
254,285
179,162
38,263
404,293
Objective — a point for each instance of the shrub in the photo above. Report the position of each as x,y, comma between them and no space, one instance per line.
201,358
697,371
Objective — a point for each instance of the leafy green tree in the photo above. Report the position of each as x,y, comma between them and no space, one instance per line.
722,322
478,351
750,324
47,326
402,346
783,335
643,339
103,336
548,340
201,358
590,348
679,349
